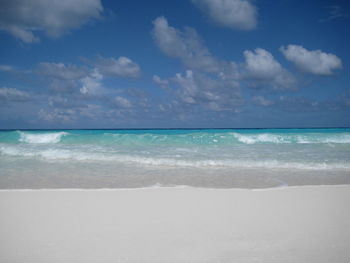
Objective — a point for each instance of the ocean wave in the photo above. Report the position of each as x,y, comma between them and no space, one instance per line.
292,138
262,138
334,138
52,137
167,162
229,138
226,138
171,139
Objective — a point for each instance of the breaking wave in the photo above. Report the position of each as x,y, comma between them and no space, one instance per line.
292,138
177,137
41,137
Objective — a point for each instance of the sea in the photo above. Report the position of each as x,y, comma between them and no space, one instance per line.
210,158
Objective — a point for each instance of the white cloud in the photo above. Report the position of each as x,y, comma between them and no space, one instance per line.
72,113
236,14
260,100
189,88
212,83
59,101
121,67
61,115
63,78
91,84
314,61
209,92
163,83
262,67
298,104
61,71
92,111
122,102
261,64
186,45
11,94
22,18
86,80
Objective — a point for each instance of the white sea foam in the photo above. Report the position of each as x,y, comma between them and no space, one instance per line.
169,161
41,137
230,138
291,138
270,164
344,138
52,154
265,137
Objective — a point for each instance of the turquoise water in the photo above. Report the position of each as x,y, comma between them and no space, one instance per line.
206,158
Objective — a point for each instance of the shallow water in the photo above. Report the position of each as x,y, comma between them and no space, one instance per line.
251,158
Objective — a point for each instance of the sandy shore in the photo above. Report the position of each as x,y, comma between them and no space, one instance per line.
297,224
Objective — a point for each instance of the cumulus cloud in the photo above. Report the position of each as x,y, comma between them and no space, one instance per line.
193,91
261,66
61,71
61,77
313,62
71,114
209,92
61,115
86,79
122,102
185,45
163,83
190,92
121,67
297,104
236,14
209,82
11,94
59,102
262,101
92,83
77,92
23,18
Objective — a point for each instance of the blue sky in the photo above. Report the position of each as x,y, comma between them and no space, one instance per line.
174,64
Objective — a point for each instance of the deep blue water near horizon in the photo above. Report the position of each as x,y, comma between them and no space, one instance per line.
219,158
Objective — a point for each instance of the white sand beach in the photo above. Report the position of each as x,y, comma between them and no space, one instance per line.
293,224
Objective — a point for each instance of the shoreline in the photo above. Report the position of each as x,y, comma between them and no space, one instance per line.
156,187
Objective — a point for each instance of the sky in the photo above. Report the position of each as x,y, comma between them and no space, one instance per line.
174,64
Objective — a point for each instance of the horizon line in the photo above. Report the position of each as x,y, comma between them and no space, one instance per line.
220,128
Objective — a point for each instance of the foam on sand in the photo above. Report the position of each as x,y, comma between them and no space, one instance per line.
294,224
